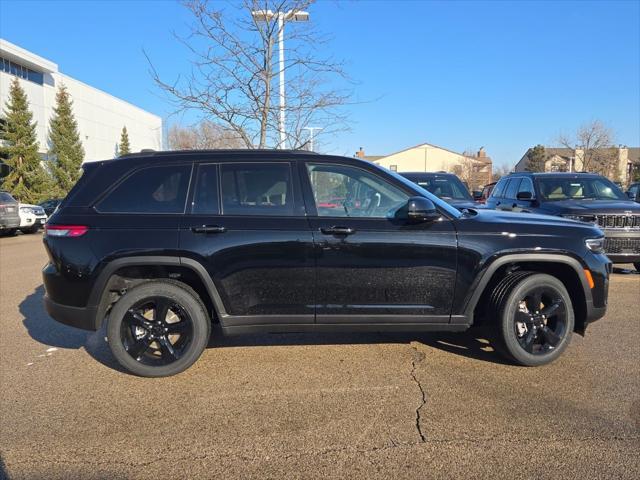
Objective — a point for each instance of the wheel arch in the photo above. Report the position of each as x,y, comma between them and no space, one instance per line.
124,273
566,268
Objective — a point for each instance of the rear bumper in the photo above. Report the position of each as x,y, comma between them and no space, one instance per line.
9,222
79,317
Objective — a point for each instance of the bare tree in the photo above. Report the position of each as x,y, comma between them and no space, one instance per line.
204,135
594,140
501,171
234,71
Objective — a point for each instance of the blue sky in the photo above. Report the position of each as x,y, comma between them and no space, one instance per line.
503,75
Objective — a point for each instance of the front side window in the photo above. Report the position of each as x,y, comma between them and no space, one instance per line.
445,187
256,189
344,191
161,189
526,186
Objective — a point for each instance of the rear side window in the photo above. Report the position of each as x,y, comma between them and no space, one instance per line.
499,188
256,189
512,188
161,189
205,199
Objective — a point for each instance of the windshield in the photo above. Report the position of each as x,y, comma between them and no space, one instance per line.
442,205
580,188
447,187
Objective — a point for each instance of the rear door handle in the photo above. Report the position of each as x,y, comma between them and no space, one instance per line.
208,229
338,230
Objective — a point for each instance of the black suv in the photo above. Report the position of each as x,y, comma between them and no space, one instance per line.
160,245
584,197
446,186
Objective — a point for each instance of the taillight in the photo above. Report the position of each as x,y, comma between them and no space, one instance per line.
65,230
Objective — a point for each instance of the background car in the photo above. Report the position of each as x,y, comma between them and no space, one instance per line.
9,217
585,197
485,193
50,205
446,186
32,217
634,192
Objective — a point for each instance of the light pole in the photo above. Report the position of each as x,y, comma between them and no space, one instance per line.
311,136
290,16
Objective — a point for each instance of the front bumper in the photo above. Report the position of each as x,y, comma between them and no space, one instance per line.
79,317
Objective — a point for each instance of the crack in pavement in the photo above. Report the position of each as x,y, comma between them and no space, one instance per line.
417,357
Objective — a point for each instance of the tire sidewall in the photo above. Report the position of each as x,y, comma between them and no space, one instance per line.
187,300
508,333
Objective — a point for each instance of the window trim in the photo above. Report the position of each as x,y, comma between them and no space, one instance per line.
132,172
193,187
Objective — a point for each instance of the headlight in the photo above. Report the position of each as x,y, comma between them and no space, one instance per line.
596,245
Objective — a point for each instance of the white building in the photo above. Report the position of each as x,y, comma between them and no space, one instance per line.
100,116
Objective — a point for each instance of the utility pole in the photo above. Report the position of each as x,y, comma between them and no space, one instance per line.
311,136
290,16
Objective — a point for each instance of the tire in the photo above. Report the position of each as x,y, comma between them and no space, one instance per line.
29,230
10,232
132,324
523,335
637,265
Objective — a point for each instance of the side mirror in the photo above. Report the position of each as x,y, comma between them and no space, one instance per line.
477,195
524,196
421,209
631,195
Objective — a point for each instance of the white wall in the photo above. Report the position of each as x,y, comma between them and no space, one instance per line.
100,116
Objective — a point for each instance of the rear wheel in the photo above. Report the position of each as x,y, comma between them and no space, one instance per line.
158,328
33,229
535,318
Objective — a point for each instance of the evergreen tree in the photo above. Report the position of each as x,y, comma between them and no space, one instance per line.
536,158
27,180
124,146
65,149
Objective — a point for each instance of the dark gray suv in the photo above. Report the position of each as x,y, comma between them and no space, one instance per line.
9,217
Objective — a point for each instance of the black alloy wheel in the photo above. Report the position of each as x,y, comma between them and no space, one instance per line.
540,322
158,328
535,318
156,331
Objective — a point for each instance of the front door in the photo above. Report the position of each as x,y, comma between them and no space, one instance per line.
372,265
247,226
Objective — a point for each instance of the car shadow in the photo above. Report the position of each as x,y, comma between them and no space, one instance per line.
43,329
470,344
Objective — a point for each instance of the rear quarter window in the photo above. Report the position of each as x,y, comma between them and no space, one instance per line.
157,189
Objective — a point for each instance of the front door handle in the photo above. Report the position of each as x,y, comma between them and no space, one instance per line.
208,229
338,230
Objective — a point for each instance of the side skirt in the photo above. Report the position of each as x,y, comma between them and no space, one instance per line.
344,328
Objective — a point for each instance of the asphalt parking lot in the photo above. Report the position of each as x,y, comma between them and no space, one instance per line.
343,406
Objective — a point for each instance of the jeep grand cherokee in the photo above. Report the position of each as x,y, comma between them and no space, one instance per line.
160,245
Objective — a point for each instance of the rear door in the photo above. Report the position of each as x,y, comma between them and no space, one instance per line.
246,225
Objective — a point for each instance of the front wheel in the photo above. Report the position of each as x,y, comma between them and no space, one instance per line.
158,329
535,319
637,265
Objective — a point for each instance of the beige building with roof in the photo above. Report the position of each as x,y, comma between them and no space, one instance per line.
622,160
475,170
